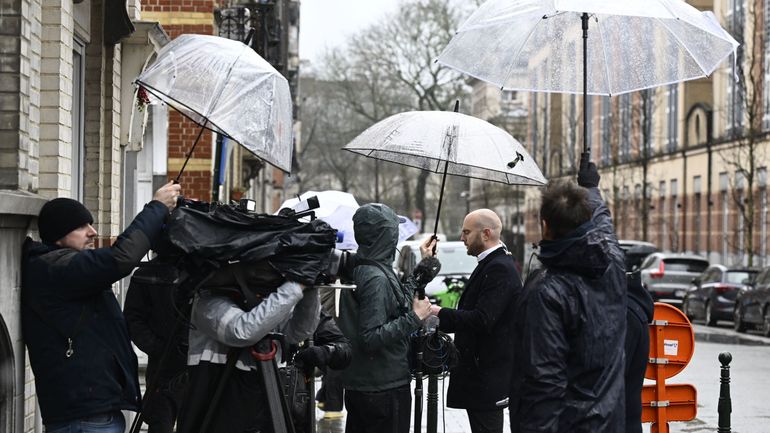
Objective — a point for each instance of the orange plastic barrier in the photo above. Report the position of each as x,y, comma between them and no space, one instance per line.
672,343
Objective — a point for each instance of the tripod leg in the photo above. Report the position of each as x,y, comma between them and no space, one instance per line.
279,409
232,358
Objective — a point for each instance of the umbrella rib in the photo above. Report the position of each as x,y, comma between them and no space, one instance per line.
686,48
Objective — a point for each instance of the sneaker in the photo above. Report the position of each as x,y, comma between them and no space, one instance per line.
332,415
320,405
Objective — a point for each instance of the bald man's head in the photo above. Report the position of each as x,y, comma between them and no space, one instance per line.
481,231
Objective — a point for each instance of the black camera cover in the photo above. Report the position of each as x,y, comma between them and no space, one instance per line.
298,251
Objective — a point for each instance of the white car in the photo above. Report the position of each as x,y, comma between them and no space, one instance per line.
456,267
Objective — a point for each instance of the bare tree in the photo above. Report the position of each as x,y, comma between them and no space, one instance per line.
386,69
744,112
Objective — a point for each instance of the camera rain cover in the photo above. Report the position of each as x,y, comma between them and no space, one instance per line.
298,251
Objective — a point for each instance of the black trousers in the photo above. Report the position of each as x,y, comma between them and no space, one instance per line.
331,392
486,421
378,412
637,354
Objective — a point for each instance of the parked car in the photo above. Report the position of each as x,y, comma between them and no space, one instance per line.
636,252
456,268
711,296
668,275
752,306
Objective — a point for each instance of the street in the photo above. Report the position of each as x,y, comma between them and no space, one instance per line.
750,386
749,379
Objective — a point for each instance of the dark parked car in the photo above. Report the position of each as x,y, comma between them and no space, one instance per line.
636,252
667,276
711,296
752,306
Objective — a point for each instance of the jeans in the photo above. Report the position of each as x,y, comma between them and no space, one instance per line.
112,422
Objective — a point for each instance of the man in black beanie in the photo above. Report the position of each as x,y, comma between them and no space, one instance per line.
85,368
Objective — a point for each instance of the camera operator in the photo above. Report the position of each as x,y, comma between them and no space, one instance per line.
218,325
378,320
85,368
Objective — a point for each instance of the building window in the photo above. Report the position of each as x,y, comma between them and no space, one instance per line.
735,18
624,132
766,86
78,119
646,100
534,125
762,181
672,118
674,215
696,205
662,232
723,185
606,131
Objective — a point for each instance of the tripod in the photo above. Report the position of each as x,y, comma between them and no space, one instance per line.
264,352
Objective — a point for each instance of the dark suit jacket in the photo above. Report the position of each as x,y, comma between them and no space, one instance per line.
483,328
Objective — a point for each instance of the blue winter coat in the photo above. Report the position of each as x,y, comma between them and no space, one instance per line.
67,294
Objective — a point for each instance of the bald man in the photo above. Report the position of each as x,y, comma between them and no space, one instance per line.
483,326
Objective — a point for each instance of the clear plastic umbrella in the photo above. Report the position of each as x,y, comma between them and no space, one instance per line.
632,45
449,143
225,86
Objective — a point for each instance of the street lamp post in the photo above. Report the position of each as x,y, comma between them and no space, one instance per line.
467,196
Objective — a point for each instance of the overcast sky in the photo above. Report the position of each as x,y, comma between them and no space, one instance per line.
327,23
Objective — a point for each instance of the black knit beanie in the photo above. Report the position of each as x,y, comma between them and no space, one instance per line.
60,216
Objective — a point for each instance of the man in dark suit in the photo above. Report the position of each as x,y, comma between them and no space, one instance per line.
483,326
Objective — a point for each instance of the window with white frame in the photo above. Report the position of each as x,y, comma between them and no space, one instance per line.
646,101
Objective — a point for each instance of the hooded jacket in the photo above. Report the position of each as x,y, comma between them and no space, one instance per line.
377,316
68,294
569,355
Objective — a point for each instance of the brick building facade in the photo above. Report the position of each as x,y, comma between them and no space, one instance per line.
63,70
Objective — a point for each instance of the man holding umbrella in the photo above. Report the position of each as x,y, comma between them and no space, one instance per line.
483,325
569,365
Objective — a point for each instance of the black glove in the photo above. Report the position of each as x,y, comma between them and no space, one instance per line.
315,356
588,176
426,270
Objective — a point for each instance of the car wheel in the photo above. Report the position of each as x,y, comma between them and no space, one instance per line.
766,323
710,319
738,324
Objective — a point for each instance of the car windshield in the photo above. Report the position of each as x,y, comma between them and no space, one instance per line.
738,277
685,265
455,260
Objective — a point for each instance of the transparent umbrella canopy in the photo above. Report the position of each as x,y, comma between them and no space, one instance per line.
627,45
449,143
225,86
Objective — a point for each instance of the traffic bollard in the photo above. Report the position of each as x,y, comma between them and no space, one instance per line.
724,408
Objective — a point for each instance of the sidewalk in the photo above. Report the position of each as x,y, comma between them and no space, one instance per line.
449,420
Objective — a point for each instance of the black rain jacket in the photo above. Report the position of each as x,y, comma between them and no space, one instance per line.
569,357
68,294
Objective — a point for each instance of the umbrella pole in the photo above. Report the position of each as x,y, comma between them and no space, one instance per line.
189,155
586,146
443,181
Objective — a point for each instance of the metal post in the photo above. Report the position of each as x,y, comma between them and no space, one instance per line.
584,21
724,407
432,424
